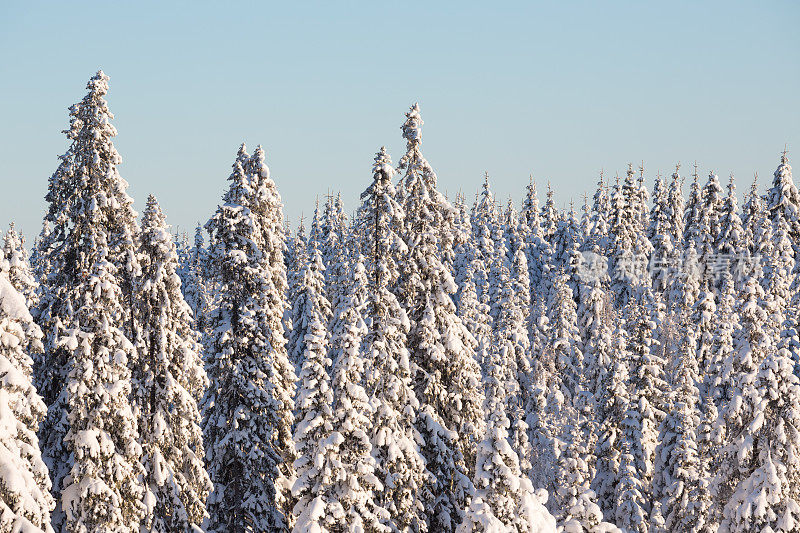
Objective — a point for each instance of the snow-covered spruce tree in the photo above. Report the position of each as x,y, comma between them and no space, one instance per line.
529,214
708,226
636,198
333,249
295,258
564,338
642,197
536,248
446,376
475,315
349,488
579,511
504,498
754,219
248,408
630,502
39,265
308,297
380,217
659,211
196,290
660,233
731,232
20,273
612,402
727,328
691,213
25,500
89,435
677,207
739,370
511,234
91,156
499,262
599,218
567,235
596,326
549,216
779,267
783,199
679,484
168,384
395,440
648,384
513,345
763,455
703,320
313,436
315,231
586,218
267,208
465,251
485,222
415,166
630,247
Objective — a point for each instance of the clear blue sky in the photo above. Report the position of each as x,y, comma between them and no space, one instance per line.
557,89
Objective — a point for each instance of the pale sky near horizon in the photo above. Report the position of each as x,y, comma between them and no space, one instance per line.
558,90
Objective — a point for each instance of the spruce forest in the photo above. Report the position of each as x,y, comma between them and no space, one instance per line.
421,364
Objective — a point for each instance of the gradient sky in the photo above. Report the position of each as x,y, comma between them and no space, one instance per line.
557,89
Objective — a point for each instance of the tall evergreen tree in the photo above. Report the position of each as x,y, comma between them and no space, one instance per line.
679,484
677,207
648,386
20,273
308,298
600,217
660,233
504,500
350,486
767,497
334,235
612,400
536,248
565,338
89,436
630,501
169,383
249,405
630,245
549,215
691,214
731,233
194,285
475,315
268,211
708,227
754,219
783,199
513,345
395,440
579,511
446,376
485,221
25,500
316,448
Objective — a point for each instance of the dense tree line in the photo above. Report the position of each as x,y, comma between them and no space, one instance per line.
419,365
